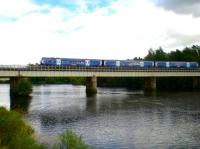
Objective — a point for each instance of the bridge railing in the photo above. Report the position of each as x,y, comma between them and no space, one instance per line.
93,69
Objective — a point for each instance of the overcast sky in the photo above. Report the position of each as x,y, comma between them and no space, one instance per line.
105,29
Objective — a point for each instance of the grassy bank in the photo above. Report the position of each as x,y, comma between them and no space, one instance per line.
16,134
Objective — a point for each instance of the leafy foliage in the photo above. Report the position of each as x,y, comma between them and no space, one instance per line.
70,140
14,133
187,54
158,55
23,88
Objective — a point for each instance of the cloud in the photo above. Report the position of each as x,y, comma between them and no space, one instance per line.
181,6
77,6
177,39
17,8
116,30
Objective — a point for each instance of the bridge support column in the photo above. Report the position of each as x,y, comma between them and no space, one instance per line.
195,83
150,84
13,84
91,85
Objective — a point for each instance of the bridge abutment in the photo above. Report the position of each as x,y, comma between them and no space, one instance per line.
150,84
91,85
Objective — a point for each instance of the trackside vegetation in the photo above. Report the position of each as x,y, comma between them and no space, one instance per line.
16,134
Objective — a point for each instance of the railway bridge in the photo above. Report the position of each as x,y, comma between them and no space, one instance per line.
16,73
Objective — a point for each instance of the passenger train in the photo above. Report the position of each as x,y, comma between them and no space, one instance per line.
65,62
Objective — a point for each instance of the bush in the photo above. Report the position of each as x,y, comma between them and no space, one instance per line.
70,140
23,88
14,133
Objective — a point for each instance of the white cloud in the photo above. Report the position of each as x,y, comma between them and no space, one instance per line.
133,28
16,8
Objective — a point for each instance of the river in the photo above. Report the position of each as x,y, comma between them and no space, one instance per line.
114,118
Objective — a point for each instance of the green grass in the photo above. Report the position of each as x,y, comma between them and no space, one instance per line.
69,140
16,134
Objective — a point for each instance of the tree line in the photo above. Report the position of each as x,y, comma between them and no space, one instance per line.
187,54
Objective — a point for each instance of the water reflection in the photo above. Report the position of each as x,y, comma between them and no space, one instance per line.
20,104
91,104
4,96
114,118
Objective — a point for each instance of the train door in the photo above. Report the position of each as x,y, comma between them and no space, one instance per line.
58,61
142,64
167,64
87,62
188,65
117,63
103,63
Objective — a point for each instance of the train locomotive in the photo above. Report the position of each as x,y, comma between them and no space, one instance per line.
67,62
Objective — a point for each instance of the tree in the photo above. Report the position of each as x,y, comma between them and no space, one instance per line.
157,55
23,88
150,55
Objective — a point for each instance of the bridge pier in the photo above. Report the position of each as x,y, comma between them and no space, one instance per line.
150,84
196,83
91,85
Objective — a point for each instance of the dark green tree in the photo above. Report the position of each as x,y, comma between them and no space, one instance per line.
23,88
157,55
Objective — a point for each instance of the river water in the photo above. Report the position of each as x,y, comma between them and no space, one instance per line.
114,118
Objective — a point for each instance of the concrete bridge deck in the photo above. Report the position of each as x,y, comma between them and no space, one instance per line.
150,75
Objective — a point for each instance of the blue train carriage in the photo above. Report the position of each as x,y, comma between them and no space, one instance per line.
137,64
71,62
161,64
93,62
128,64
111,63
148,64
170,64
193,65
175,64
48,61
64,62
183,64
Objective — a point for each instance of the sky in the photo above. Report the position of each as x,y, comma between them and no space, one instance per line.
103,29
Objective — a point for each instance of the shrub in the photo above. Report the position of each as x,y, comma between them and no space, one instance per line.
14,133
69,140
23,88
